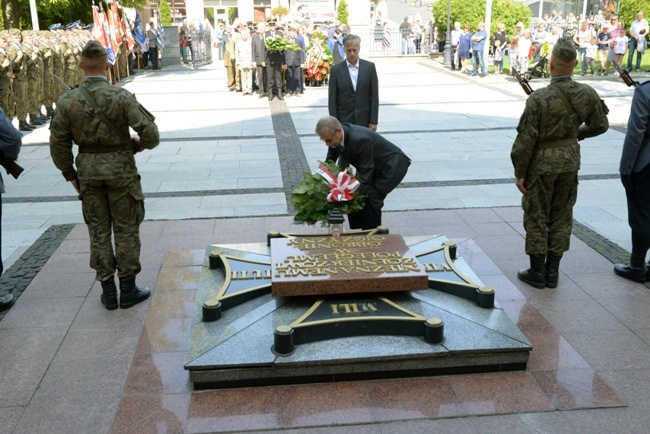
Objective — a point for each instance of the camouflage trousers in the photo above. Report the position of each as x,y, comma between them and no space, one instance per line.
548,212
20,97
33,95
7,99
113,208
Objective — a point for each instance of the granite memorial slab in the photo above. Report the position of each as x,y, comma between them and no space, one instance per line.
337,265
451,324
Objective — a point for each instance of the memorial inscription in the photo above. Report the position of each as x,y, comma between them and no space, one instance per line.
326,265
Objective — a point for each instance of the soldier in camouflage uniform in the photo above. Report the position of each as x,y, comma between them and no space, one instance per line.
6,76
106,176
19,84
58,69
34,77
47,85
546,158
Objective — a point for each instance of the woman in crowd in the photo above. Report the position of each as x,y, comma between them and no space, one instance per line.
463,47
551,38
581,39
539,37
500,36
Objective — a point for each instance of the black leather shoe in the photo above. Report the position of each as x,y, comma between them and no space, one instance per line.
109,294
24,126
130,294
6,302
536,274
552,270
631,272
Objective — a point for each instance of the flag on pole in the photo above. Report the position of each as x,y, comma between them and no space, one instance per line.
138,33
115,18
160,34
101,33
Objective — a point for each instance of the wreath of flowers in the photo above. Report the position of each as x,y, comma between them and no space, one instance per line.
331,187
319,59
278,44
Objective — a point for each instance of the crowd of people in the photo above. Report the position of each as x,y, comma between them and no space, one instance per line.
29,62
255,66
600,43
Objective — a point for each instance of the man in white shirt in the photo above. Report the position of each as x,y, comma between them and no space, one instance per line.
638,32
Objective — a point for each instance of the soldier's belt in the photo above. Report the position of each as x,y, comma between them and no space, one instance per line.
104,149
557,143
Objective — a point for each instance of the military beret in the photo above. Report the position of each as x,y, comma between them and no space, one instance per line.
564,50
93,49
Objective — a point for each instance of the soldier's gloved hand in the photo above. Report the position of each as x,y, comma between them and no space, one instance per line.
627,182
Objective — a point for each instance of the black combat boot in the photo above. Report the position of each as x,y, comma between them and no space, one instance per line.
24,126
552,273
130,294
109,296
50,111
635,270
6,302
34,120
536,274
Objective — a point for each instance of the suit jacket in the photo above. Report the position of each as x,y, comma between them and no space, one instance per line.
378,162
259,49
295,58
346,105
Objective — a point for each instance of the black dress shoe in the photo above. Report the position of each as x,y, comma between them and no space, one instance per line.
6,302
24,126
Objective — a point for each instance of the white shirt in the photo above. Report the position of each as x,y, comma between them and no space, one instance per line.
637,26
354,73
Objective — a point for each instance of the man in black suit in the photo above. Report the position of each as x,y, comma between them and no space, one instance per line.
274,64
380,165
259,59
295,61
354,88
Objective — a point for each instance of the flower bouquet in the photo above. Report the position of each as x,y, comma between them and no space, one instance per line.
278,44
319,60
330,187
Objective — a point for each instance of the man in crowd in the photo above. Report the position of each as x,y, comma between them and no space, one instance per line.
10,143
380,165
635,175
295,61
274,63
259,59
546,159
106,177
478,52
153,46
354,88
405,31
638,33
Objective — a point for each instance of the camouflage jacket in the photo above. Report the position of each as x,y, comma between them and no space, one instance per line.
75,121
547,119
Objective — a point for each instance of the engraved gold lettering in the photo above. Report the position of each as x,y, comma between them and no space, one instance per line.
335,309
369,307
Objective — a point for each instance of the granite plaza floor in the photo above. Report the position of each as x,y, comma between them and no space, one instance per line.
222,174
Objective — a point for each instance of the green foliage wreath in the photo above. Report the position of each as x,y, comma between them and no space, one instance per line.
310,198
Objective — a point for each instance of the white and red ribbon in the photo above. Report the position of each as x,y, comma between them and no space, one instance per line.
341,186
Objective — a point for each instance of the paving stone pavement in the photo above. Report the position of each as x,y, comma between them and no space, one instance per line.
225,159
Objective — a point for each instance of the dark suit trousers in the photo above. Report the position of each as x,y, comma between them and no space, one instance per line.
638,211
274,76
370,216
261,78
294,79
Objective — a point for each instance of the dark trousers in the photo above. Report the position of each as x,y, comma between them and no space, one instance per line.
261,78
153,56
294,79
370,216
453,53
274,76
638,210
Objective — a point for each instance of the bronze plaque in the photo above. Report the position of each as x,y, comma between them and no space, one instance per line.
348,264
